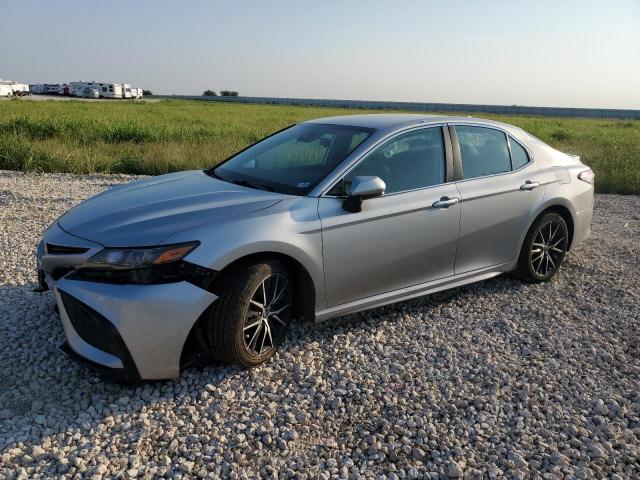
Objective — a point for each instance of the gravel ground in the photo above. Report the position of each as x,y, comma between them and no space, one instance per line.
492,380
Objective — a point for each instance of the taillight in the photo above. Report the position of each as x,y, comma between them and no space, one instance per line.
587,176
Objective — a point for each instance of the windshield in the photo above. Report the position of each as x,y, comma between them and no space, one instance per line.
294,160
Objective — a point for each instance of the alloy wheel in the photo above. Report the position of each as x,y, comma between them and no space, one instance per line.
267,315
548,248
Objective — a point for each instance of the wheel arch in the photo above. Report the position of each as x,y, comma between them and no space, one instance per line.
559,206
566,215
305,302
195,348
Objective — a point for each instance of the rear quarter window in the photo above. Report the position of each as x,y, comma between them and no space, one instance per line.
519,156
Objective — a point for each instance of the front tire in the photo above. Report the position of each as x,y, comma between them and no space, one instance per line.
252,314
544,249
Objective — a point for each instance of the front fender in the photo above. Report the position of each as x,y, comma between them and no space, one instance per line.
290,228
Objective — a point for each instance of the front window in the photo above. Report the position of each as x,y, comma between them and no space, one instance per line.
407,162
294,160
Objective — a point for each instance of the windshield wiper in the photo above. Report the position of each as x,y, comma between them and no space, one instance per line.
246,183
212,173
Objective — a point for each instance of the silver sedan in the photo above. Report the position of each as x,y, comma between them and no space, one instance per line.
321,219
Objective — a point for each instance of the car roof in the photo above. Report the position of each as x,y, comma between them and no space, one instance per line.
394,121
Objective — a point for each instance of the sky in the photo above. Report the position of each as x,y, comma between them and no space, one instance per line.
570,53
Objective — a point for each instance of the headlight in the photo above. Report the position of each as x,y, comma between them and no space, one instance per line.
152,265
131,258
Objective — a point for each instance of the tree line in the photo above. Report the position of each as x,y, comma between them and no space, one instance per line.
223,93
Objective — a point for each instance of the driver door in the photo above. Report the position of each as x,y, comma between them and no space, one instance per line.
399,239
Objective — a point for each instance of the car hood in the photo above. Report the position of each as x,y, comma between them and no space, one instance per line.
145,212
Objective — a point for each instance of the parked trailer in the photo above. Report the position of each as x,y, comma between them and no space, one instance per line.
110,90
37,88
6,90
51,88
75,88
9,88
105,90
126,90
20,89
130,92
88,92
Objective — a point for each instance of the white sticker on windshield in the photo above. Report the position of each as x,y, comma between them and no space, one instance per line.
303,184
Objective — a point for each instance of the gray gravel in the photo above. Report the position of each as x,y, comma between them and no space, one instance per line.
492,380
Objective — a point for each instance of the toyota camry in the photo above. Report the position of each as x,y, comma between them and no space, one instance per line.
321,219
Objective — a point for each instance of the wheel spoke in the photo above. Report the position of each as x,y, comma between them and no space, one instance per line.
555,249
254,324
557,243
277,299
277,317
553,265
254,339
546,264
539,260
264,337
541,237
255,302
275,292
261,317
275,312
268,330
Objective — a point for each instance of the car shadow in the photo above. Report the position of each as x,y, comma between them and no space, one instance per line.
43,393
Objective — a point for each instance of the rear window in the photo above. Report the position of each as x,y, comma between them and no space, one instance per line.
484,151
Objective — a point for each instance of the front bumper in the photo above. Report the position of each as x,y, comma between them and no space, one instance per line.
130,331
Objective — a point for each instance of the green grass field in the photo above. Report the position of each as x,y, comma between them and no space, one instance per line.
161,137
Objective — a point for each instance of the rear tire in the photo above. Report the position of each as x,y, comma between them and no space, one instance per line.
252,314
544,249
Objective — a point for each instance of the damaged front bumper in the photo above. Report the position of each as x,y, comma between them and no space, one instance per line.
130,332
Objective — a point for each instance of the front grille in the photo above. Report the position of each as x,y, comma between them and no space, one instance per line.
96,330
64,250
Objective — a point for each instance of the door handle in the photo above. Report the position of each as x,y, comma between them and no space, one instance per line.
445,202
529,185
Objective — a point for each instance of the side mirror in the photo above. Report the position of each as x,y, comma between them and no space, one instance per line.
362,188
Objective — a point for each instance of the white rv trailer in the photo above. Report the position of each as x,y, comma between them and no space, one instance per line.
106,90
20,88
76,87
136,92
110,90
6,90
126,90
9,88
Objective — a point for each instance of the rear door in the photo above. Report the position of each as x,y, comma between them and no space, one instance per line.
399,239
500,190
